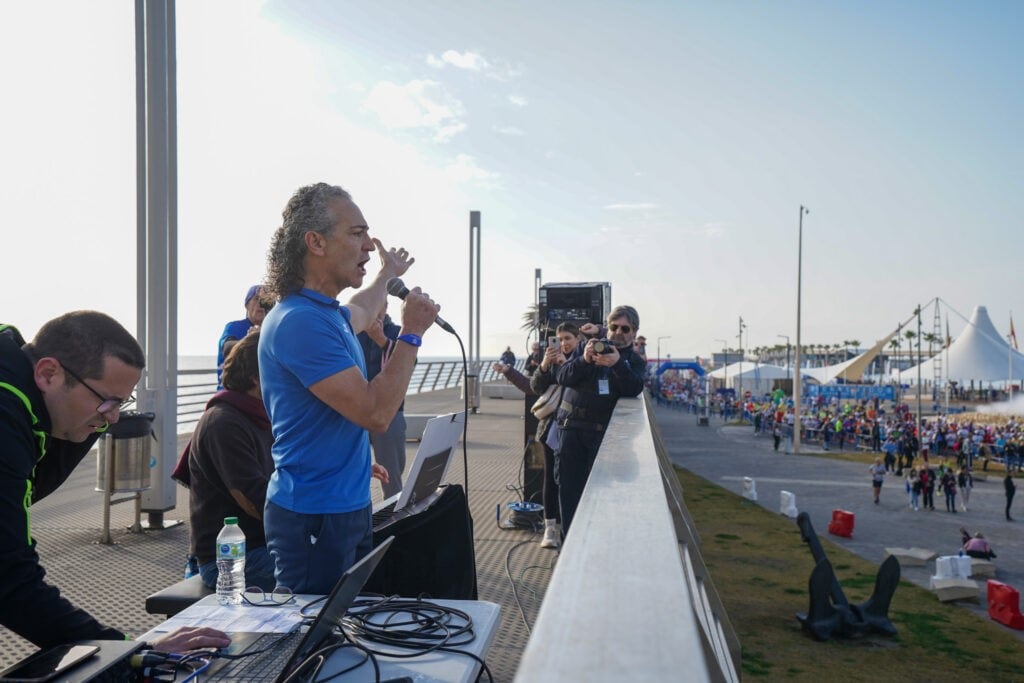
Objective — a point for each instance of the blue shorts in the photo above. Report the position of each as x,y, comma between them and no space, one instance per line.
312,551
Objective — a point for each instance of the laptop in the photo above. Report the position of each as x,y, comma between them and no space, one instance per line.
429,467
283,653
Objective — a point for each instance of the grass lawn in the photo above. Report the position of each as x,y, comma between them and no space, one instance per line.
760,567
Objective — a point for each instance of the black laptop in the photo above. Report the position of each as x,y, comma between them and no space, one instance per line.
283,653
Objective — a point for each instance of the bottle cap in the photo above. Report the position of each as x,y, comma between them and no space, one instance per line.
231,520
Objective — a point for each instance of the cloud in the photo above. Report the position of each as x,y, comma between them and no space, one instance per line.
712,230
465,170
518,100
417,104
509,130
636,206
470,61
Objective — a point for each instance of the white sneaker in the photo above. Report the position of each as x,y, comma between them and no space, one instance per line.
552,534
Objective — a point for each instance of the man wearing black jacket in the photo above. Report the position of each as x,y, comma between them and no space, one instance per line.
594,377
57,394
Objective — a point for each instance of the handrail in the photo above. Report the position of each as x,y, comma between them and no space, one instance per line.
631,570
195,387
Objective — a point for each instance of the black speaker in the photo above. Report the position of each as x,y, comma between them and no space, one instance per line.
574,302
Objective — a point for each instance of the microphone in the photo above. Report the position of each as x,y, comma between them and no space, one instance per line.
397,288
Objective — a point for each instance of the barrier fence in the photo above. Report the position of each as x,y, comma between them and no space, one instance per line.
195,387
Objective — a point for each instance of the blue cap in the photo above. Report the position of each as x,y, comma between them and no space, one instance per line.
253,291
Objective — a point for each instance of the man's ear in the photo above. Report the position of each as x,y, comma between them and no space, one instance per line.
315,242
48,373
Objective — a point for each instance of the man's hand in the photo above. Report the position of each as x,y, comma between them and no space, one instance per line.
418,312
379,473
188,638
603,359
499,367
590,329
376,331
393,262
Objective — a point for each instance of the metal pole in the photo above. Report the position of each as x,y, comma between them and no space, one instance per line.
156,261
797,379
918,428
739,374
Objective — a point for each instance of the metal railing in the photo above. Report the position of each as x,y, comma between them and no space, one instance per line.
630,574
195,387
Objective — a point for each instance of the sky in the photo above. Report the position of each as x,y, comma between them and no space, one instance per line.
664,147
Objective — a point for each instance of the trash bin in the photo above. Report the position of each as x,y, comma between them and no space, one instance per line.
471,387
124,453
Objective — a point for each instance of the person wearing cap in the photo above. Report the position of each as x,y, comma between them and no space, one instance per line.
255,310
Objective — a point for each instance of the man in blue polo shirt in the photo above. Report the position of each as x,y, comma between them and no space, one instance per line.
313,380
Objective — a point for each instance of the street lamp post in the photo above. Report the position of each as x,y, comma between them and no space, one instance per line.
796,355
786,337
739,372
659,347
725,360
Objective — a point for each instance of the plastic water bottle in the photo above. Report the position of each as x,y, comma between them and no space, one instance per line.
230,563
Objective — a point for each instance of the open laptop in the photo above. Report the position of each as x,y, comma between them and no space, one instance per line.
429,467
284,653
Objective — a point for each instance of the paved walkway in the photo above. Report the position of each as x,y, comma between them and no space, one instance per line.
726,454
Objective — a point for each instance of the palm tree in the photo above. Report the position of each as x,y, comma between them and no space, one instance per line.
531,318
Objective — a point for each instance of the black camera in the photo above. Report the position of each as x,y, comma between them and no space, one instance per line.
603,346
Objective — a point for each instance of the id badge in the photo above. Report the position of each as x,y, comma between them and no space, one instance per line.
602,387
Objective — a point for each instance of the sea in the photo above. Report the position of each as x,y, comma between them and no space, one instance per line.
210,362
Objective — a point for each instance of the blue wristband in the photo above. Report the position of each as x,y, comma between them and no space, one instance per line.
411,339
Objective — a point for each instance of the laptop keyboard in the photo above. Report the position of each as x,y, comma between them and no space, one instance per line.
264,666
384,514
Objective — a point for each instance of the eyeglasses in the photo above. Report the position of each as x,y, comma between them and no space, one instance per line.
625,329
257,597
107,404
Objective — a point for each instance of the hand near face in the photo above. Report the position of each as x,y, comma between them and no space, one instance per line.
589,329
552,356
393,262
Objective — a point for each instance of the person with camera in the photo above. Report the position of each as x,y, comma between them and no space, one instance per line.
597,373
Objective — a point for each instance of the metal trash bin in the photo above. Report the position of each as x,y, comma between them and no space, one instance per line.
124,454
471,387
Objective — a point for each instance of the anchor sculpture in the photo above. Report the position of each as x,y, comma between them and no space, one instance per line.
830,613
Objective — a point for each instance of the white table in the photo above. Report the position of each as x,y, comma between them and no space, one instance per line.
443,667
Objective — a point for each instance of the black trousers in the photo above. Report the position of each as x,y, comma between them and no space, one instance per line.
573,462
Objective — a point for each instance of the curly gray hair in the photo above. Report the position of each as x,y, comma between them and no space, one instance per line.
307,210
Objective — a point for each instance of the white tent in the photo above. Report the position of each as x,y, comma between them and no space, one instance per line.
757,378
980,353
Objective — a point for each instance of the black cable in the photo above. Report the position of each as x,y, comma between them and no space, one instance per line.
411,624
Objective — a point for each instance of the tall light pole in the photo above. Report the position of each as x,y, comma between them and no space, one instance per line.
920,445
739,374
796,355
786,337
659,347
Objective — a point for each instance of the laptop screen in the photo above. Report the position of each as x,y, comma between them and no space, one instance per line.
440,437
336,605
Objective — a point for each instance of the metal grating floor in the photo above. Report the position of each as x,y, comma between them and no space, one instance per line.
112,581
